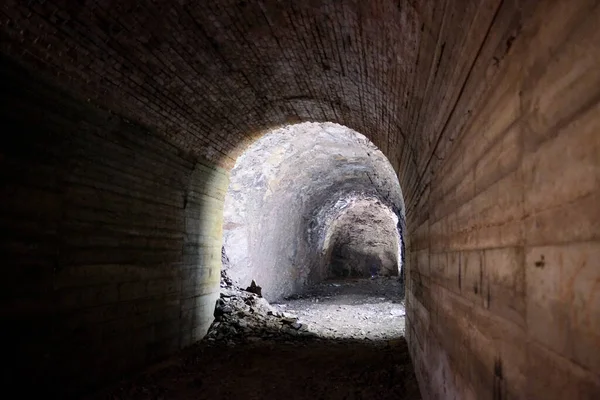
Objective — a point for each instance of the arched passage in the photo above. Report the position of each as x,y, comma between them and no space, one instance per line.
285,195
123,119
363,240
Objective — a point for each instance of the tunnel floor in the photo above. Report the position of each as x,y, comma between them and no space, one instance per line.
370,309
300,368
350,346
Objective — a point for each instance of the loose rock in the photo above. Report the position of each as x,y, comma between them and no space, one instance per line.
242,315
254,288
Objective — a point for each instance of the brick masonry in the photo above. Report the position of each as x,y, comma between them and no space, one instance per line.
113,186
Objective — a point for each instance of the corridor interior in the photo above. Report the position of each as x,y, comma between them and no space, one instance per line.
266,199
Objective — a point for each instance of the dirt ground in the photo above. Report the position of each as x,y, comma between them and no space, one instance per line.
351,308
297,369
334,361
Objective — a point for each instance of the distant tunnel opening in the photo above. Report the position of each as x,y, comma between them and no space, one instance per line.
308,202
363,241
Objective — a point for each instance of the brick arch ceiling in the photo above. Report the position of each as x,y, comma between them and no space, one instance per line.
209,74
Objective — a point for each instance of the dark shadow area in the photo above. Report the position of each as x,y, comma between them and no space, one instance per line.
100,218
254,350
280,368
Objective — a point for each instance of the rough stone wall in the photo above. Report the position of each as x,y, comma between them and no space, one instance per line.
363,241
281,203
488,111
110,244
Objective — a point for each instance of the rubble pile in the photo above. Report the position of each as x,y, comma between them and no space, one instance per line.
244,316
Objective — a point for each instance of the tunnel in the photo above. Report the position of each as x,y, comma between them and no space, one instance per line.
307,202
123,123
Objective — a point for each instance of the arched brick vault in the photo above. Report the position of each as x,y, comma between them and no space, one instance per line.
472,102
207,74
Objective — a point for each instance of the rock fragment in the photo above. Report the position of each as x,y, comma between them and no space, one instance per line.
243,315
254,288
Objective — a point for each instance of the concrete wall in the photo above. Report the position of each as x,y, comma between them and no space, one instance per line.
503,295
488,111
111,240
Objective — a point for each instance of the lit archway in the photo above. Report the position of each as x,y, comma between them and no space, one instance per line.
297,188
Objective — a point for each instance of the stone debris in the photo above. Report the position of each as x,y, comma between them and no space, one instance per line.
225,280
244,316
254,288
355,309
